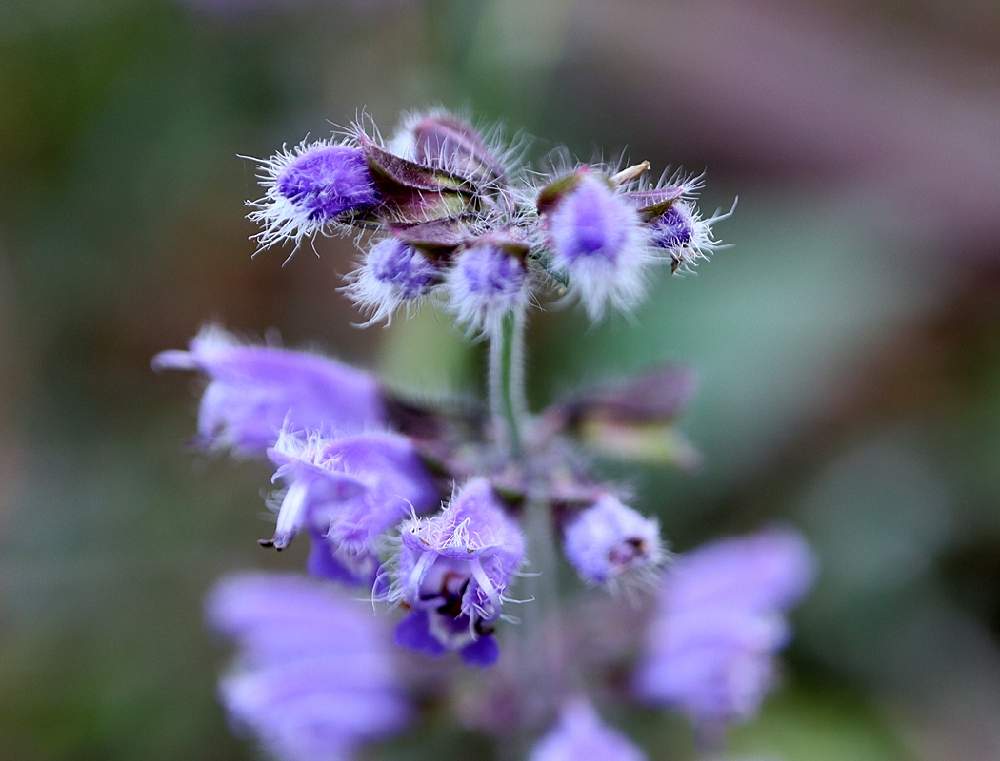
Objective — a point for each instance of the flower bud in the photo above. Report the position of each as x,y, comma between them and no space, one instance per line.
442,139
488,280
393,274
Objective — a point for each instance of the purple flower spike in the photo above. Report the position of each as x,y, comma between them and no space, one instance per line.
720,619
487,282
393,274
581,734
314,676
610,543
255,390
453,570
347,492
310,187
598,242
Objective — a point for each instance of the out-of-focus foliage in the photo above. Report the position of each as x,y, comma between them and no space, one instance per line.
848,346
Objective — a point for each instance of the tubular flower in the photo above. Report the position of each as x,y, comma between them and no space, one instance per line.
393,274
599,243
309,187
610,543
581,734
314,675
453,570
720,619
346,493
254,391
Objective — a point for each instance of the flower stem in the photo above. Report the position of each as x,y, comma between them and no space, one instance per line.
507,401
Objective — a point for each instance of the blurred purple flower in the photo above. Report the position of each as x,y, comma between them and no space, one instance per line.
610,543
453,570
598,242
314,675
720,619
255,390
347,492
580,734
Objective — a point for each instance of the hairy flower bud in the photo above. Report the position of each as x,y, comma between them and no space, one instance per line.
442,139
314,677
609,543
597,242
310,187
580,734
687,237
488,280
719,620
393,274
453,570
255,390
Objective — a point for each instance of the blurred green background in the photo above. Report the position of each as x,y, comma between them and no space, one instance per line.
848,344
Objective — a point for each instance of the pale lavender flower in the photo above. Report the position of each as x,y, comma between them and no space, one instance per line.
719,621
392,275
580,734
599,243
314,677
255,390
347,492
610,543
488,280
310,187
453,571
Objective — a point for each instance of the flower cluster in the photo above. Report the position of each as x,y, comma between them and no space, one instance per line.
444,211
448,514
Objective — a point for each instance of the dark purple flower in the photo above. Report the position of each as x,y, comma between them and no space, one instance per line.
314,677
580,734
453,571
719,620
347,492
309,187
598,242
687,237
487,281
255,390
393,274
610,543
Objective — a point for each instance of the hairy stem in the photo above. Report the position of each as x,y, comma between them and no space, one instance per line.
507,400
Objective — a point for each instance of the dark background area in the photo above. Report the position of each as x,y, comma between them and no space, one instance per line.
848,344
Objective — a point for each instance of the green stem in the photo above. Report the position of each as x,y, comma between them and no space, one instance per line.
507,400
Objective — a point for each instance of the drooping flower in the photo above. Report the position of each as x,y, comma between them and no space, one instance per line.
453,570
598,242
488,280
720,619
310,187
393,274
346,492
580,734
610,543
255,390
314,677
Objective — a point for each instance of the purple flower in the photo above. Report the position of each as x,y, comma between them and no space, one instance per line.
598,242
682,232
346,492
314,677
487,281
453,570
393,274
719,621
255,390
581,734
310,187
610,543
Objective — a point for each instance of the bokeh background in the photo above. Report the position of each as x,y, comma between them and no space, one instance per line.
848,344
